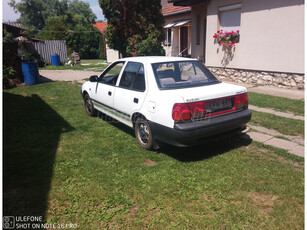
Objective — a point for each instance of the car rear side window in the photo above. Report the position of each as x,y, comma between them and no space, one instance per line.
133,77
182,74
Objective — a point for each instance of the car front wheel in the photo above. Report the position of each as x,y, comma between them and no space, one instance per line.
143,134
89,108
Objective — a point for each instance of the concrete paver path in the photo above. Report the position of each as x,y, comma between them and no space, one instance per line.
66,75
292,147
294,144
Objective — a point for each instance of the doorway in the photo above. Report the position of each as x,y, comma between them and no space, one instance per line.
184,41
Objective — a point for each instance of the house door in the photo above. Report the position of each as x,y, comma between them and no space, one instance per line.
184,41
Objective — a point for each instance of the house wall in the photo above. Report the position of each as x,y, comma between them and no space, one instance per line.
271,36
112,55
197,50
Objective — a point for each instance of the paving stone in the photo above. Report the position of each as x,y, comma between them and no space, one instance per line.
297,139
280,143
282,114
259,136
299,118
298,150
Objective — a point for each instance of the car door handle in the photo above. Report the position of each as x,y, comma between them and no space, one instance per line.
110,93
136,100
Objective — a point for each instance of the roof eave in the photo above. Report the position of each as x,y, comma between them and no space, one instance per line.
186,2
177,13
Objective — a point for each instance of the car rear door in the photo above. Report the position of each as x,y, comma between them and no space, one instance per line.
131,91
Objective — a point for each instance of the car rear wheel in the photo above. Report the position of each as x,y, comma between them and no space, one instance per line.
143,134
89,107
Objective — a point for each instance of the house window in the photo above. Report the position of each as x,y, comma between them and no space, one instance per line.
168,37
198,29
230,17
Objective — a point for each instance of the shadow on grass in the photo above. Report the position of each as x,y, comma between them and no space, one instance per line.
43,79
212,146
32,130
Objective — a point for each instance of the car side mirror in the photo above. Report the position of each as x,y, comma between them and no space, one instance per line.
94,78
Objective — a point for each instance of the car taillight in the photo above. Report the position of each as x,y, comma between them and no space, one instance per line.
241,101
197,109
181,112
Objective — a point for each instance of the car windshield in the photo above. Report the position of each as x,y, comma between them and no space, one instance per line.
182,74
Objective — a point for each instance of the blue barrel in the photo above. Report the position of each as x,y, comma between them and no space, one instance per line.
30,72
55,59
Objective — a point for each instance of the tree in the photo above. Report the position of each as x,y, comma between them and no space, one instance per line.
34,14
85,41
135,27
61,20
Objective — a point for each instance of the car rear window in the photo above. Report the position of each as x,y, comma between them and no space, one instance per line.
182,74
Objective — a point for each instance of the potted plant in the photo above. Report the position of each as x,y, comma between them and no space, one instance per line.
227,39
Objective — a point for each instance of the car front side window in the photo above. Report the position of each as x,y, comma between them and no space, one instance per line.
110,76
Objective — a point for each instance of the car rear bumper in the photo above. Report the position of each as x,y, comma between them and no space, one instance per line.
191,133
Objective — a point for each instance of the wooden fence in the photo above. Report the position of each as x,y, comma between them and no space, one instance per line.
50,47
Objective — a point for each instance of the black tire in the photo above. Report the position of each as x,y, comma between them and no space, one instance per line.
144,134
89,107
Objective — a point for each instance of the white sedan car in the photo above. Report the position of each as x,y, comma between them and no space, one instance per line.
167,99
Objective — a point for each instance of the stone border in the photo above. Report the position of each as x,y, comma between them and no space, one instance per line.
282,80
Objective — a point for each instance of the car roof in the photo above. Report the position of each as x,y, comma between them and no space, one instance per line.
156,59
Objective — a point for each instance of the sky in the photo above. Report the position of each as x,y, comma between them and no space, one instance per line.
10,15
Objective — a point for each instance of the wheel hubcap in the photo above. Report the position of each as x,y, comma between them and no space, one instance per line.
143,133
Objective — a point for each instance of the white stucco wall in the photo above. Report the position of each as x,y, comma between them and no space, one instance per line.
197,50
271,36
112,55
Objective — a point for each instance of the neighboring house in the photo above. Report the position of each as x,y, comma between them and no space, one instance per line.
177,30
112,55
271,45
14,28
101,26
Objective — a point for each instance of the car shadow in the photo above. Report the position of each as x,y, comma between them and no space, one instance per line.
32,130
116,124
211,147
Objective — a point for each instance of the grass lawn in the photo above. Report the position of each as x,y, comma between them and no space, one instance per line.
70,168
92,61
283,125
278,103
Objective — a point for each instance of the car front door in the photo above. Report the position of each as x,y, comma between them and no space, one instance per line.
130,93
105,88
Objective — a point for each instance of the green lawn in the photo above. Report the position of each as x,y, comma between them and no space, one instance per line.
283,125
278,103
70,168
